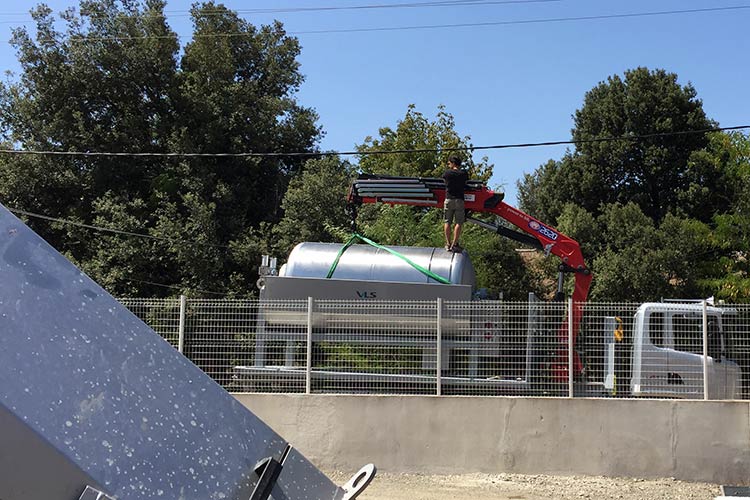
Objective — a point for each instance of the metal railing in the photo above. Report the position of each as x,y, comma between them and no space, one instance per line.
663,350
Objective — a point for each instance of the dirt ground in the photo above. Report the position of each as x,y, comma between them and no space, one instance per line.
527,487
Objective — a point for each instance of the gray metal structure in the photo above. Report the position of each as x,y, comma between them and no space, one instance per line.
363,273
94,404
296,288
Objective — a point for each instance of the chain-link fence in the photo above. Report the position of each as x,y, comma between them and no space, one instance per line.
661,350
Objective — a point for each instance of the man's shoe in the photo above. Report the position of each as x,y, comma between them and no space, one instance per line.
457,249
448,248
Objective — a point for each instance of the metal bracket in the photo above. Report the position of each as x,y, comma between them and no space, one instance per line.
267,268
93,494
359,482
510,234
268,471
565,268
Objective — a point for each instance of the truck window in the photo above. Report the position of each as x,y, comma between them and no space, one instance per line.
656,328
688,333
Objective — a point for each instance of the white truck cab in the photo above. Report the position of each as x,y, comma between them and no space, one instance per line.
667,352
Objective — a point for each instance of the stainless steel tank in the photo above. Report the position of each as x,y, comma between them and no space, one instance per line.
368,263
367,301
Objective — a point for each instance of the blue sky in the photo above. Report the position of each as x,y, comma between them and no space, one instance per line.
504,84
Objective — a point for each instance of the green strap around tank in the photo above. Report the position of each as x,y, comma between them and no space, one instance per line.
416,266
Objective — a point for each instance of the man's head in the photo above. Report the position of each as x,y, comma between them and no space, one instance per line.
454,162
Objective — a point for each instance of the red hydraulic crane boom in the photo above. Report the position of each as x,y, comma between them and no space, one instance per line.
430,192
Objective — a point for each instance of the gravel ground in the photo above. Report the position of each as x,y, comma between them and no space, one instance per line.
527,487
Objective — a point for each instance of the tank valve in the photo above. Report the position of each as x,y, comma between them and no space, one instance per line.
267,268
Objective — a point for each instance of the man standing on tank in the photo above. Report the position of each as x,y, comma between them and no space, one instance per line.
455,183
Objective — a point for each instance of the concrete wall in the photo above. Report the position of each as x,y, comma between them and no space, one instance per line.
690,440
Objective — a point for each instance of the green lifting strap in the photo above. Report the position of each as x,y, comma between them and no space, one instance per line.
416,266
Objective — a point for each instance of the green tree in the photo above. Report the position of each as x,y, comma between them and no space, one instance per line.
112,81
236,96
653,169
641,260
730,279
315,205
105,84
429,145
499,268
676,197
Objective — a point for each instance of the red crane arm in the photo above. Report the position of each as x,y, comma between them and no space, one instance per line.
430,192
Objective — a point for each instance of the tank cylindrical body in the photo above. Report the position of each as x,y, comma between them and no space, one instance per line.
368,263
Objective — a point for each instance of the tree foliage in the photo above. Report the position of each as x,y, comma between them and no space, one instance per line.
730,276
499,268
421,148
113,81
429,145
659,213
641,260
315,205
652,116
660,206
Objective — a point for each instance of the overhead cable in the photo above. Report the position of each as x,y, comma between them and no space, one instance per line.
110,230
285,10
446,3
316,154
518,22
126,233
174,287
82,39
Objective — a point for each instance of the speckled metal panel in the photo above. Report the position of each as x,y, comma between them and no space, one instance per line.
93,387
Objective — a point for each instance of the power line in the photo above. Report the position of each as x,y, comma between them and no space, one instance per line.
174,287
148,236
444,3
447,3
284,10
125,233
408,28
316,154
518,22
632,138
111,230
420,150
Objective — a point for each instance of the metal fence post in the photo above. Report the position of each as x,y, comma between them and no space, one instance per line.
570,347
181,327
439,346
308,362
705,350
